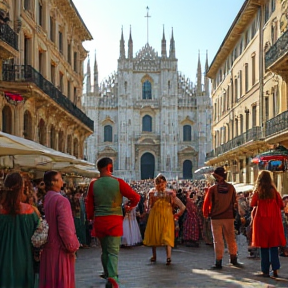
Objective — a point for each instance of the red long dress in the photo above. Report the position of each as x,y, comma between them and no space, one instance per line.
267,229
57,264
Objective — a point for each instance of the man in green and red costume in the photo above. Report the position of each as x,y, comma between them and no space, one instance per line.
104,205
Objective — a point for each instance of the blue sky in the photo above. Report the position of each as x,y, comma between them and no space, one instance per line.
198,25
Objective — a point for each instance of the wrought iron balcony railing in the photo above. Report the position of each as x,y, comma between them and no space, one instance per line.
210,155
277,124
277,50
252,134
26,73
9,36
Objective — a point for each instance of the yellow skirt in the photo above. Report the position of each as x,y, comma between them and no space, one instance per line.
160,226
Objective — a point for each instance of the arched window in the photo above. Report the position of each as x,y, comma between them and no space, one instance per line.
28,125
146,90
276,101
236,127
42,132
187,133
75,147
108,133
69,144
52,137
61,143
147,123
7,120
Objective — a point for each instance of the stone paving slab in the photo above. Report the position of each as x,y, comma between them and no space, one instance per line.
189,269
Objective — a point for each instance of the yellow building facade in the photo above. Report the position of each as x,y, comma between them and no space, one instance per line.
41,74
249,90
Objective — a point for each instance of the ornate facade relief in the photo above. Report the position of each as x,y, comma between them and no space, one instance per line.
147,59
284,16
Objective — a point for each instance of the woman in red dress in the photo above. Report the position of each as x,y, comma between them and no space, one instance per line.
267,231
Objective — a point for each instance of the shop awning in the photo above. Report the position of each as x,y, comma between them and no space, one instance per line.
17,152
273,160
242,187
204,170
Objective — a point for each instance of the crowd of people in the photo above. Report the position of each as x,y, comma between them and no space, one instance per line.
153,212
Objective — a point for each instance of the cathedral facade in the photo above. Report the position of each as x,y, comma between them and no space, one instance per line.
148,117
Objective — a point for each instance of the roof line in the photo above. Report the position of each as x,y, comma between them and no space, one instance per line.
228,33
78,14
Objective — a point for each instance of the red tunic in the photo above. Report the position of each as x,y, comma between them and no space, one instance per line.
267,229
109,225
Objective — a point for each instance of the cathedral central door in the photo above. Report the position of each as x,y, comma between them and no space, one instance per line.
147,166
187,169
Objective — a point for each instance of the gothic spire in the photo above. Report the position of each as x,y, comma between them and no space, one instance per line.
130,46
88,78
95,74
206,80
199,75
122,46
163,50
172,47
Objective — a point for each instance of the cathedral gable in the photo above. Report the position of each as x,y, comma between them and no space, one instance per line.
147,141
108,151
147,59
107,121
187,120
188,150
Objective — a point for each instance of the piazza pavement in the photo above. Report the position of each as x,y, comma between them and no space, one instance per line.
189,268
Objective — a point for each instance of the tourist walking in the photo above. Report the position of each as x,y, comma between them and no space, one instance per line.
57,265
18,221
219,204
160,227
141,214
284,249
131,232
192,226
79,215
267,229
104,205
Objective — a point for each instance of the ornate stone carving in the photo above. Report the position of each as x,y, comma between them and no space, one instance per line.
147,59
4,11
284,21
18,25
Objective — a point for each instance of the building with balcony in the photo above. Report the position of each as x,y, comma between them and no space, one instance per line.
249,89
148,117
41,75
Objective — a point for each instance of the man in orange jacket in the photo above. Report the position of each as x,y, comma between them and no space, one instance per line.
220,204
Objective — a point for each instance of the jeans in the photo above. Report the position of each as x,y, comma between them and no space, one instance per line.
110,249
226,227
269,256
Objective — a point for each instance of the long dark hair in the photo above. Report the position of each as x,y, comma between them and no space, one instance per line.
265,185
11,193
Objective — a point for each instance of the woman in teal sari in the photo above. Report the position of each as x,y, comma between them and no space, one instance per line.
18,222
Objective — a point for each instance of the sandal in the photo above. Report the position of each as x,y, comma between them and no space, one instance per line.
153,259
168,261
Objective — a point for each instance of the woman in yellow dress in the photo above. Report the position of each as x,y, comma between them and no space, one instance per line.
160,227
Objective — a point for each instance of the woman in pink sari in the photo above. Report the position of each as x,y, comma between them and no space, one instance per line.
57,264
